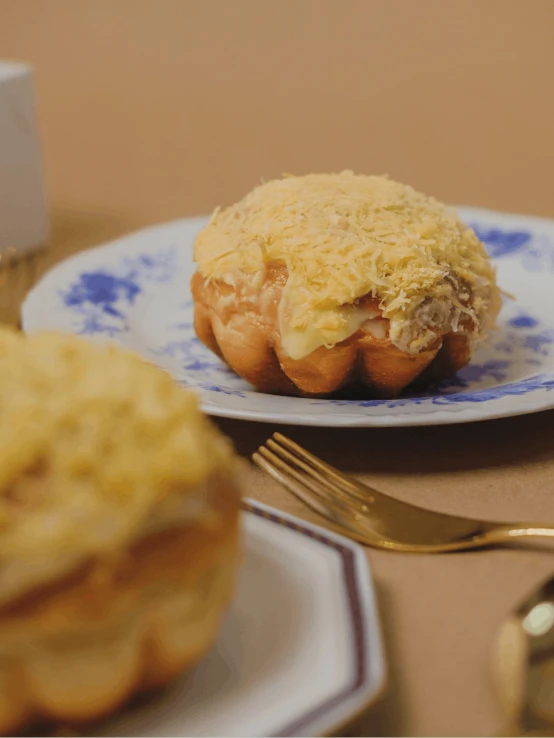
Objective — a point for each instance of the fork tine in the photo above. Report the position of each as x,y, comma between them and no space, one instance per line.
316,488
330,484
346,484
298,490
323,507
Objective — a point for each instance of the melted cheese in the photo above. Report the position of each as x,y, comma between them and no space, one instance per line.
300,340
345,236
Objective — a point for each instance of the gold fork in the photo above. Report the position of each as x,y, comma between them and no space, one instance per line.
372,517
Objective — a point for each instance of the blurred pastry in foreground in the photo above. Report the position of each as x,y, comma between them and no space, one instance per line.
119,529
327,282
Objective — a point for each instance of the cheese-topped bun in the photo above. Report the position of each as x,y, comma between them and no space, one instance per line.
314,284
118,529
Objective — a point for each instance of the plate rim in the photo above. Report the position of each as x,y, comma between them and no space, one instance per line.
386,420
453,414
370,665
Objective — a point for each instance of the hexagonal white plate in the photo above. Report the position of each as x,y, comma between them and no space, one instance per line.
299,654
136,291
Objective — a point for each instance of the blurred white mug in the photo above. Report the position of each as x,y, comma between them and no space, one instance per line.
23,212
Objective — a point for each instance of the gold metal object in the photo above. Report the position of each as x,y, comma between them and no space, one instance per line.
372,517
523,664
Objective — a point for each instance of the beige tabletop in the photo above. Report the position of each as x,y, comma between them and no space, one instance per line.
155,109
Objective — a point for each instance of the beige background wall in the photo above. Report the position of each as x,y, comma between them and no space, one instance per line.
151,109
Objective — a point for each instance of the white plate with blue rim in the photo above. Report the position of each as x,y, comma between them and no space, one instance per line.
135,291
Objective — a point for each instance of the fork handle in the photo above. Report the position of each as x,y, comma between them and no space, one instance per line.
505,533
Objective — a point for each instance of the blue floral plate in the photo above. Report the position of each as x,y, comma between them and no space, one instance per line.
135,291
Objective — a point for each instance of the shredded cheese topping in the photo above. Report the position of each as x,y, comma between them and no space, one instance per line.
344,236
93,441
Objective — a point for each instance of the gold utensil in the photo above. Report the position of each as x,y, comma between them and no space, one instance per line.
373,518
523,664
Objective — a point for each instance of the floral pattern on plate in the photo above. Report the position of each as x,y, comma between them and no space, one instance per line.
136,292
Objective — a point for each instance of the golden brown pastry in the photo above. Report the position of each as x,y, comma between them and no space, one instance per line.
328,282
119,533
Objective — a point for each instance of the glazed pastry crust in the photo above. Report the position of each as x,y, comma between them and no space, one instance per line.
249,341
76,650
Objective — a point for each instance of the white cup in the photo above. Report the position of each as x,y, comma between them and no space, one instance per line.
23,212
